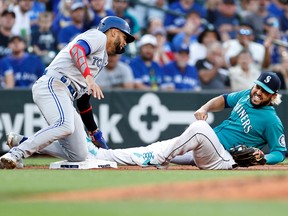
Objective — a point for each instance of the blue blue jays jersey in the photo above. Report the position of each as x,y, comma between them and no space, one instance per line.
142,73
186,80
68,33
26,69
5,68
251,126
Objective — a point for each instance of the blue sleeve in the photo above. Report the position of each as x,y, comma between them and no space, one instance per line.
136,68
275,157
85,45
55,25
5,66
62,36
169,18
39,66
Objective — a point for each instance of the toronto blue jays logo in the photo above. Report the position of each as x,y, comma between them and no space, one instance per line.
267,79
97,61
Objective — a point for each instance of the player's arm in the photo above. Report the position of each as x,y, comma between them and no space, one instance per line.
214,105
275,157
85,110
78,54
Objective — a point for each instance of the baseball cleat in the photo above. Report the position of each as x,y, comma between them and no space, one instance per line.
19,164
13,139
8,161
147,159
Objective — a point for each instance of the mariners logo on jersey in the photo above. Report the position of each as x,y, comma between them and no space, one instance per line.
282,140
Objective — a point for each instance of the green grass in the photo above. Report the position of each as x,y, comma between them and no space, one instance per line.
16,184
148,208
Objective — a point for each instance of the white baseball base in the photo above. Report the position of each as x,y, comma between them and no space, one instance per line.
87,164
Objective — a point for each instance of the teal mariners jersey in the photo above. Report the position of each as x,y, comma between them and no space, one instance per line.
249,125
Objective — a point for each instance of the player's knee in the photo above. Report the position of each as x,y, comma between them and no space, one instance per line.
68,128
198,126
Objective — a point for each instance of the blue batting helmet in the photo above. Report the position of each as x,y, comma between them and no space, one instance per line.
116,22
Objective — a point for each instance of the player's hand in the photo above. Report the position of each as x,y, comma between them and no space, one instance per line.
201,114
93,88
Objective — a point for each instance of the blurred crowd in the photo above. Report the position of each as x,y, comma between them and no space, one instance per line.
181,45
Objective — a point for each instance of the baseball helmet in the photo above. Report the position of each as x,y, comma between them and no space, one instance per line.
118,23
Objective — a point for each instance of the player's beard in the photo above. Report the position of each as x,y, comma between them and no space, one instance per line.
147,56
261,104
118,49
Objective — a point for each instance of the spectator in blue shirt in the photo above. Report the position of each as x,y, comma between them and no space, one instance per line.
148,74
173,23
190,31
27,68
76,27
62,17
6,75
37,8
43,40
225,19
179,74
7,21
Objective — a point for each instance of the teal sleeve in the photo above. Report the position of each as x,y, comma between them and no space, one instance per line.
233,98
275,157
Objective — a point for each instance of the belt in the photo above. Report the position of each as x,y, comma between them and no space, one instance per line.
67,83
69,86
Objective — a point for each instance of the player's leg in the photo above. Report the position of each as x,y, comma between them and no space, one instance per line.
72,147
199,138
157,154
153,154
186,159
53,99
210,154
120,156
55,104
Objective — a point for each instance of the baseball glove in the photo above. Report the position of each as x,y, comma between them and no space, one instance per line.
246,156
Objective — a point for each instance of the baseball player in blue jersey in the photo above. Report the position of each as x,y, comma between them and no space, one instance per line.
71,76
253,122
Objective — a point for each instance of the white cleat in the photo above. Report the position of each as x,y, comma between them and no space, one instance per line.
8,161
13,139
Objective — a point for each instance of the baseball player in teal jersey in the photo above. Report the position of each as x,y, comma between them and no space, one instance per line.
246,123
253,122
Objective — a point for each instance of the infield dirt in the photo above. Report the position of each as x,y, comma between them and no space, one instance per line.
248,188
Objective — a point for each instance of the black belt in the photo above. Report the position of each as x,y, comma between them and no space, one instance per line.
70,86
